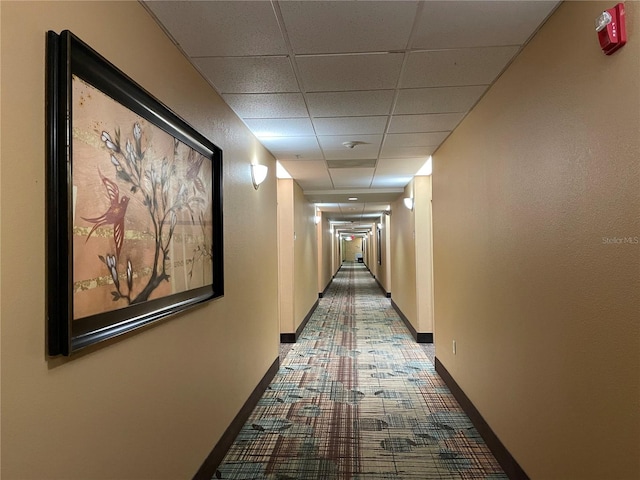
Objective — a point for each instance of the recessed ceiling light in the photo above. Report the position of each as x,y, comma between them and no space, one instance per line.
353,198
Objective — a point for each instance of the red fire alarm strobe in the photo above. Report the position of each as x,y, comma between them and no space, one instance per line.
612,32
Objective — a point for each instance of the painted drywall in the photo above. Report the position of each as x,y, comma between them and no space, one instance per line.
424,254
536,220
305,256
154,403
403,257
325,240
285,255
351,248
298,255
383,269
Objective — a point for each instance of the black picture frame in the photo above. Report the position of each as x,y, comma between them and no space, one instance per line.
170,201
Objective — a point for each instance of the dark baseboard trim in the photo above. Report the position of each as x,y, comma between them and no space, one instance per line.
424,337
287,338
306,319
384,290
208,469
509,464
321,294
293,337
418,336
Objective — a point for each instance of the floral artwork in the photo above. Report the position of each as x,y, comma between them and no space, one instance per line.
142,210
134,204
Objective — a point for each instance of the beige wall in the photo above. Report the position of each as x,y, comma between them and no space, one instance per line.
154,403
336,253
306,256
424,254
325,241
543,310
370,251
403,257
350,249
298,255
285,255
383,270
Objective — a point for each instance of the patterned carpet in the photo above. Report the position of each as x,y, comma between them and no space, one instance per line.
356,398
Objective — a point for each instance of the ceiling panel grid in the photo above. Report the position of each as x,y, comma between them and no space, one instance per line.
393,78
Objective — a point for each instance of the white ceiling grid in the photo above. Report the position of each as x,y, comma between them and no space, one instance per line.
394,76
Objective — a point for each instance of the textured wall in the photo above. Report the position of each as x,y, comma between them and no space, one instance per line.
306,256
325,241
383,270
543,306
424,254
403,257
350,249
285,255
154,403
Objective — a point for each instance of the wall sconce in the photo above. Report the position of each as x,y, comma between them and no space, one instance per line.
379,226
408,202
258,174
316,219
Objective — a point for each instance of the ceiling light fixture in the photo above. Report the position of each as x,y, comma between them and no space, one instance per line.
349,144
258,174
352,199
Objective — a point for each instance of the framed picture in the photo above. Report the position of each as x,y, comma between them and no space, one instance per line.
134,203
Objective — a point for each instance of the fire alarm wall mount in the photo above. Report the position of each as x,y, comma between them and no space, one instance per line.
611,28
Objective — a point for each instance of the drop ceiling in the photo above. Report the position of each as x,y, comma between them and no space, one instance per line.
393,77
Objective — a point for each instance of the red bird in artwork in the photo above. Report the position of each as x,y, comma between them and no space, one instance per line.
114,215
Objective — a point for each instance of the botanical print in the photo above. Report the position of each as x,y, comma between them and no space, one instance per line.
142,208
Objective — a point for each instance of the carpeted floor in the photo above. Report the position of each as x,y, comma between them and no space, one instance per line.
357,398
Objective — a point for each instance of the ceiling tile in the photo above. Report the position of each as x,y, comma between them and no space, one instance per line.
351,177
357,163
400,166
469,66
330,73
391,180
289,147
348,56
310,175
404,152
267,105
249,74
438,99
347,104
337,27
219,29
447,24
434,122
279,127
364,152
350,125
364,142
426,139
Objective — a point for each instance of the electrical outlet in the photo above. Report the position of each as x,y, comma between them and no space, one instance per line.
454,347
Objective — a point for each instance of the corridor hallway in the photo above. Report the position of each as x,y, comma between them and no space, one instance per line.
357,398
